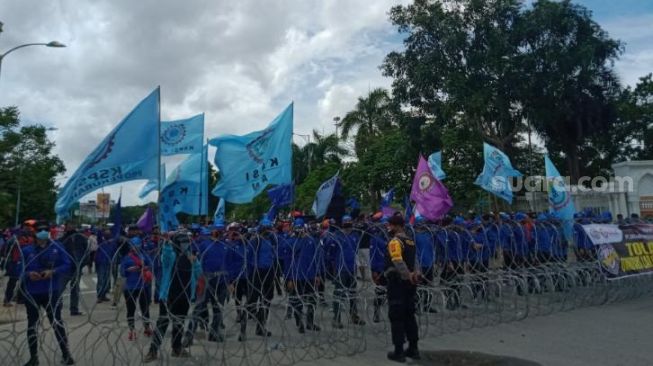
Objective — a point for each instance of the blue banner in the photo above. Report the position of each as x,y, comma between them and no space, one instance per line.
129,152
184,136
282,195
186,187
559,197
323,196
495,174
248,164
435,164
219,215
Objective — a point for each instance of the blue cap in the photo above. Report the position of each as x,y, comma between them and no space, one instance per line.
136,241
205,231
384,219
219,225
504,216
265,222
298,223
542,217
459,220
346,218
478,222
195,226
520,216
606,216
420,219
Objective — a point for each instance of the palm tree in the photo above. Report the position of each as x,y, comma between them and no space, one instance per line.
321,150
373,114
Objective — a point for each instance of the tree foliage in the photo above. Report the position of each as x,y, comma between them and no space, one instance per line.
28,164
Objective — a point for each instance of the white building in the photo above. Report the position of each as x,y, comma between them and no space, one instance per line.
630,191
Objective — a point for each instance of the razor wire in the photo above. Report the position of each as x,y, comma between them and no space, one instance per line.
322,305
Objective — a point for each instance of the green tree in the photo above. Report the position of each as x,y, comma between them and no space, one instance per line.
26,163
372,115
569,85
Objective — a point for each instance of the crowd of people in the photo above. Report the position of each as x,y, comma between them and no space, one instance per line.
193,273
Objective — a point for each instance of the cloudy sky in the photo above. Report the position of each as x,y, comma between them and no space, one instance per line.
239,61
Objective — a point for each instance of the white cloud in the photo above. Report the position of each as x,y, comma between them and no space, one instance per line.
238,61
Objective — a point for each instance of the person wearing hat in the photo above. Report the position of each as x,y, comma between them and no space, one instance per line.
136,270
180,272
76,245
425,246
45,268
239,266
402,275
103,257
302,258
341,252
378,248
212,257
262,287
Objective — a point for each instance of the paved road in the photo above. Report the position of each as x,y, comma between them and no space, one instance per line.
617,334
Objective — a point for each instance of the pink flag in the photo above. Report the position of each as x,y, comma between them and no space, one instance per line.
431,197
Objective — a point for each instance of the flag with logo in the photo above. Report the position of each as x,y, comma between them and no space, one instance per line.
324,195
249,163
388,197
435,164
431,197
184,136
219,215
128,152
560,200
496,173
186,187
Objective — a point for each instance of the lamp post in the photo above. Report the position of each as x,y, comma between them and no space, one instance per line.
53,44
336,121
20,182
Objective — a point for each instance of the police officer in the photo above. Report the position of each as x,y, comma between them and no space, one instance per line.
46,266
402,276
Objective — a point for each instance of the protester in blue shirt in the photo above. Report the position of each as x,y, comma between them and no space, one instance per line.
212,255
46,265
136,269
378,248
262,286
103,257
76,245
303,260
342,254
239,267
425,247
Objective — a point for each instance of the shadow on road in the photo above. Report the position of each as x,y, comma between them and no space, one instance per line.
463,358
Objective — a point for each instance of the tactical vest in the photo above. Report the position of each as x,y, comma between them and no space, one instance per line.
408,253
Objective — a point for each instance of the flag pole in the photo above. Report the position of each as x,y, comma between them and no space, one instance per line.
158,198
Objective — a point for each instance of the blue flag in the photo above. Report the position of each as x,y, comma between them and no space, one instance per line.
495,174
152,184
248,164
388,197
408,208
324,195
559,197
282,195
129,152
186,187
184,136
219,215
272,213
435,164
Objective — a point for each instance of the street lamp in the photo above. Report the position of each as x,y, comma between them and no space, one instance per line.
53,44
20,182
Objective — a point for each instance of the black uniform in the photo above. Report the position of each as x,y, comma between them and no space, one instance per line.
399,263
